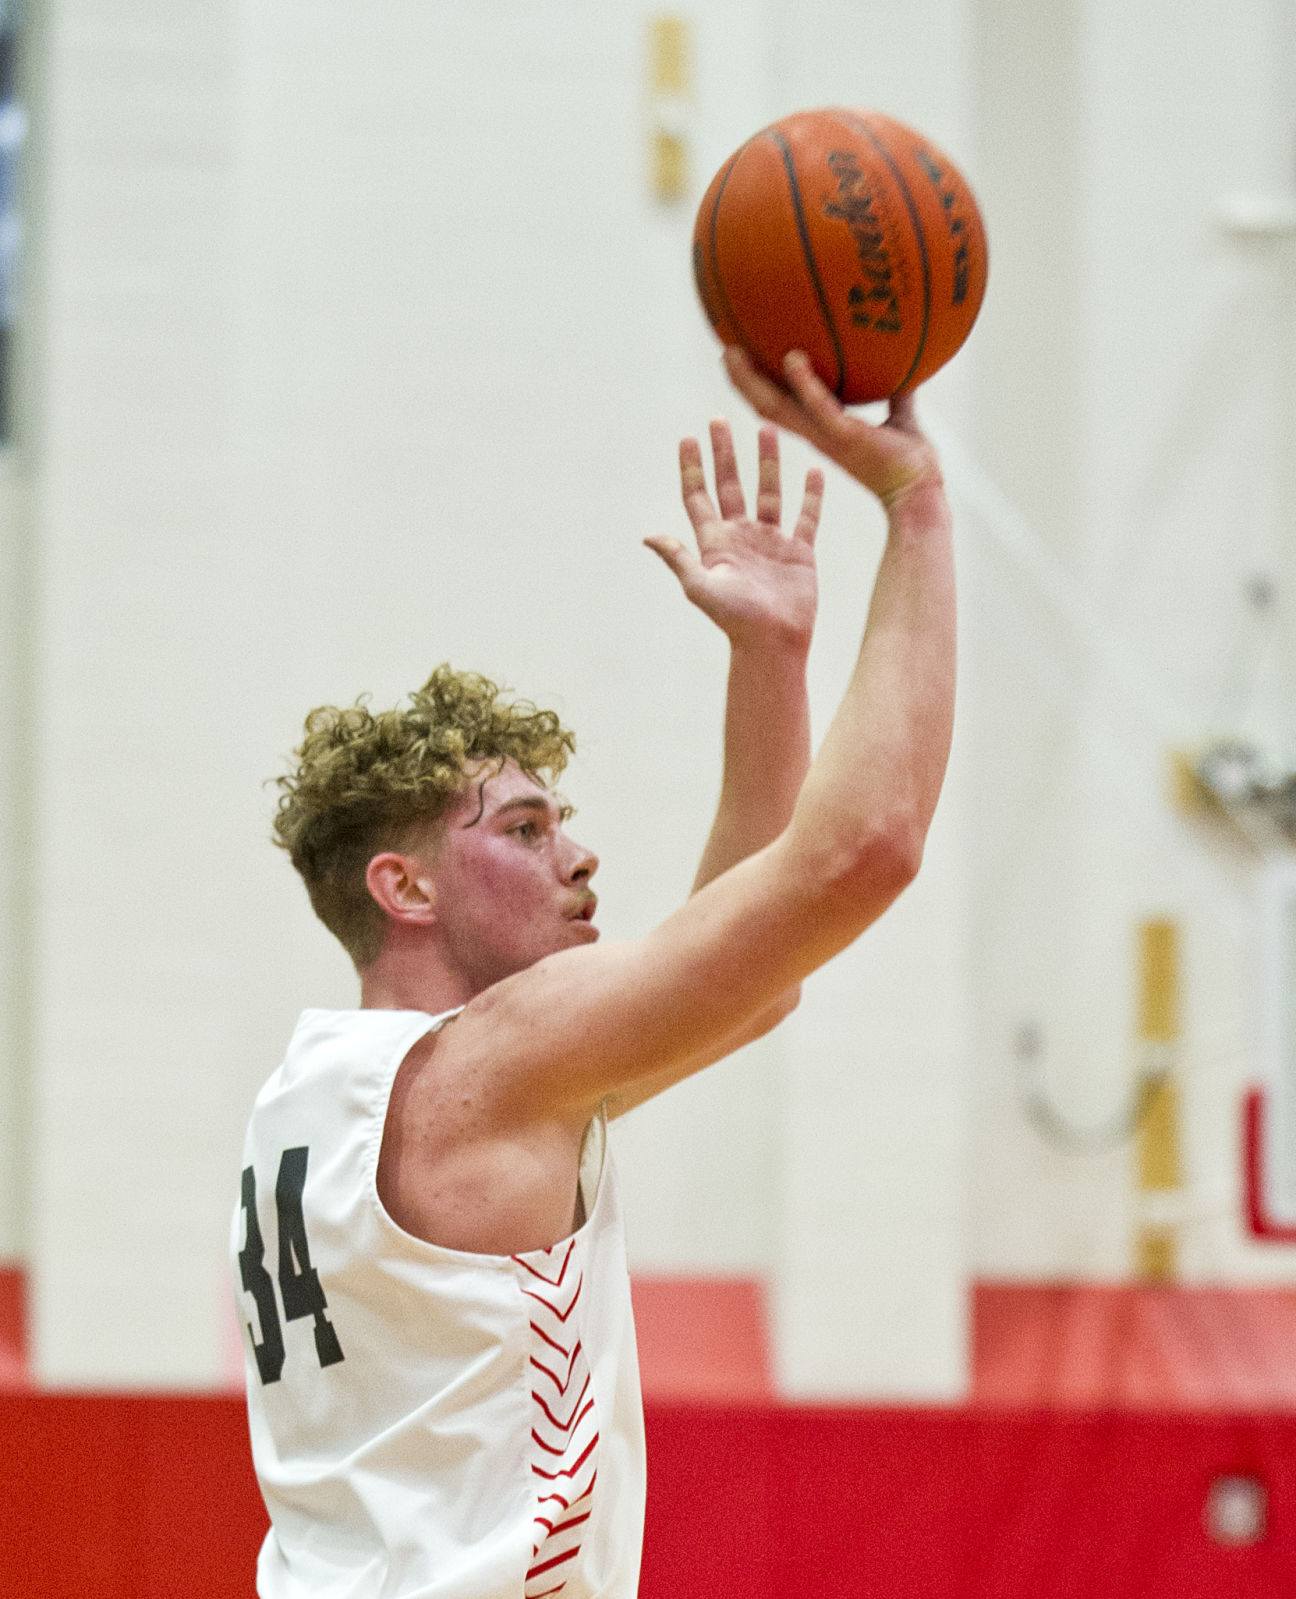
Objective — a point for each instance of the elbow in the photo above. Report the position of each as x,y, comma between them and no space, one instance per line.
905,851
843,883
884,863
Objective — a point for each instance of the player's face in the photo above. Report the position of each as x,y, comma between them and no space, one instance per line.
510,885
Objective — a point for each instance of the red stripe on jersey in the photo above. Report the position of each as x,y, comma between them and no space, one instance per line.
564,1425
558,1560
562,1387
552,1342
554,1282
548,1304
569,1471
562,1450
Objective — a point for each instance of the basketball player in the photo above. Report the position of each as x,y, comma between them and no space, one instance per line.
443,1390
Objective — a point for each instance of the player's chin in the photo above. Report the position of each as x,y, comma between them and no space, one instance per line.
582,932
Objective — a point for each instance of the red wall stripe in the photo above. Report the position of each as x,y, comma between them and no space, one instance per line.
1134,1346
13,1327
703,1338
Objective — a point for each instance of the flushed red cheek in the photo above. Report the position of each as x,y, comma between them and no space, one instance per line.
510,896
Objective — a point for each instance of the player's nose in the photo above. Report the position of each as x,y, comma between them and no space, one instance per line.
583,864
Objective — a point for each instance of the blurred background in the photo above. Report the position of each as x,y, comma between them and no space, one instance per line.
342,340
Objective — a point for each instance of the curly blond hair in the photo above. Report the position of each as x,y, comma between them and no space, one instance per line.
365,780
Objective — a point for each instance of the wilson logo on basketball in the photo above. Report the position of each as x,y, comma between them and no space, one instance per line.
873,303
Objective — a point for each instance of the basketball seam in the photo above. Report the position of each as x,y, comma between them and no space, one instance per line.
726,304
906,195
781,144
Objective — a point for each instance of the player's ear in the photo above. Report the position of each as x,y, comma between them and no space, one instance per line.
401,888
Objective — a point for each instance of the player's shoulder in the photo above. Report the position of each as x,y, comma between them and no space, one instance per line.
499,1061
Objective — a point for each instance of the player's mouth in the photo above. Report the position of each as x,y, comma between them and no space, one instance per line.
584,912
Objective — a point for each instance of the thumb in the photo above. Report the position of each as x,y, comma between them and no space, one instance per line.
679,559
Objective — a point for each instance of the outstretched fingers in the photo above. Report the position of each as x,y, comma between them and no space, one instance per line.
769,490
697,502
733,507
811,508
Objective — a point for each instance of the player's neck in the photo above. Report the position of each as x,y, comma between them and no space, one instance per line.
412,975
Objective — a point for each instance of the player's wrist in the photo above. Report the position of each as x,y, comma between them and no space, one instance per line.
782,644
919,501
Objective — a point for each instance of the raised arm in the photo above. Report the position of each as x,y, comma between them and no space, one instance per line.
898,711
758,586
554,1040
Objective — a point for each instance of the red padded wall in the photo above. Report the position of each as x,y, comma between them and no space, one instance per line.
153,1498
126,1498
959,1504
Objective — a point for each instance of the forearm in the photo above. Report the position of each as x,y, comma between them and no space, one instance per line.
766,753
876,779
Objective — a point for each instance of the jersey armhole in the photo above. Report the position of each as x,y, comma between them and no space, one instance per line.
385,1082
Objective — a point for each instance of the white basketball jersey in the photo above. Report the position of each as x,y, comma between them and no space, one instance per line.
426,1423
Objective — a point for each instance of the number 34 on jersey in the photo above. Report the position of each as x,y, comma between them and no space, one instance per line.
299,1284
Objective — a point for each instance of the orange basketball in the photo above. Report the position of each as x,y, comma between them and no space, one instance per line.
847,235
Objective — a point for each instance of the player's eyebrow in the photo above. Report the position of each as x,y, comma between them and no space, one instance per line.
527,802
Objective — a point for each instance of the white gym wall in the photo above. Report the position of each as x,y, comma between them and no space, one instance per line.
1132,357
360,344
